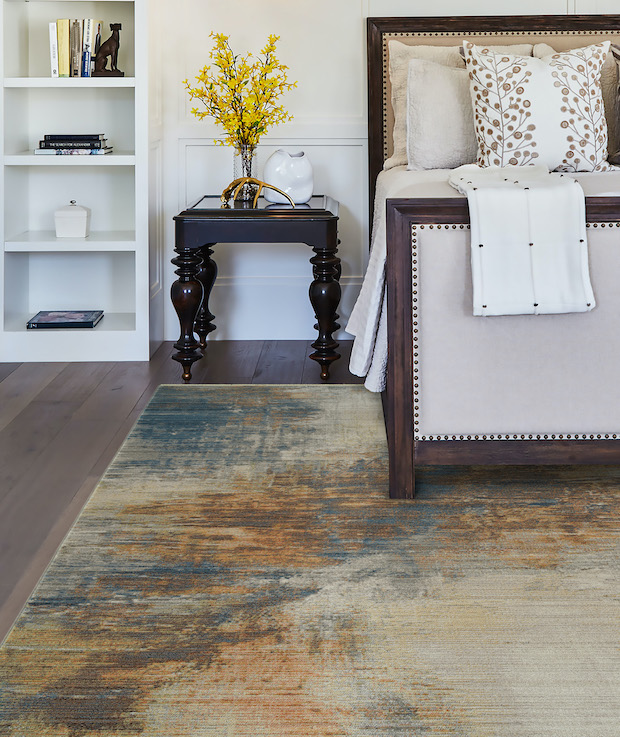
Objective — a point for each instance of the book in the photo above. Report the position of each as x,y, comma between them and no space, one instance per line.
65,319
74,136
73,151
64,50
88,38
71,143
75,41
53,49
98,30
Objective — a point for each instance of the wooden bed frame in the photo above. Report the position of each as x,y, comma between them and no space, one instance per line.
404,215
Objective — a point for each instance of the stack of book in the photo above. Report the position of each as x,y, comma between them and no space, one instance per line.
83,143
73,46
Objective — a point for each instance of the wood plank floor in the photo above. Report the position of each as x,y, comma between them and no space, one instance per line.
62,423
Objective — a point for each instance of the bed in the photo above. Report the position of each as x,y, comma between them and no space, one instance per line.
460,389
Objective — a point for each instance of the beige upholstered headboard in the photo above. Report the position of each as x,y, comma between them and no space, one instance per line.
561,32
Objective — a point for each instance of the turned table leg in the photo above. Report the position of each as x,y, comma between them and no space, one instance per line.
186,294
325,297
207,271
337,274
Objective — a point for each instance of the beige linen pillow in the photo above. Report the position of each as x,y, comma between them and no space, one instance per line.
539,111
400,55
609,87
440,121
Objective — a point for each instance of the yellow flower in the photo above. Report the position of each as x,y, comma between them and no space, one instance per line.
239,94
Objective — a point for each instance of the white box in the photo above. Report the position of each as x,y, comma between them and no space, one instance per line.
72,221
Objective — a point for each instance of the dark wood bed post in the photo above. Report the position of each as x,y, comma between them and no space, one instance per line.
399,396
398,399
376,85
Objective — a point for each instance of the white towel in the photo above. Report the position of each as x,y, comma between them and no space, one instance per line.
528,240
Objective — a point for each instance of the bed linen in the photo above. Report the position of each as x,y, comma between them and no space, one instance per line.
368,320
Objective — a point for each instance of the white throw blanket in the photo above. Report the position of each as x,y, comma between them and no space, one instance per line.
528,240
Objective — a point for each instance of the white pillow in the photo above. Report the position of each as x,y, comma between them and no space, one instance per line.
539,111
400,55
609,87
440,121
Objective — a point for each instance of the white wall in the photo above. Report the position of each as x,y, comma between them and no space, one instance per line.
262,291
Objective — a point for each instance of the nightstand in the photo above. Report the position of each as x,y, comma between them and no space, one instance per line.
207,224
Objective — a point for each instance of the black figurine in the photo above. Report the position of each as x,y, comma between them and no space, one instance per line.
109,48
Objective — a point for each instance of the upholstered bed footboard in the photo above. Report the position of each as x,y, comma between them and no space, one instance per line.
509,389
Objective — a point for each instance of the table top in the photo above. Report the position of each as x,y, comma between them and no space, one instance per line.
210,206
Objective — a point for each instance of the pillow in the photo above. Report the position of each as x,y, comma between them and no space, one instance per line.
614,51
609,87
440,120
400,55
539,111
614,143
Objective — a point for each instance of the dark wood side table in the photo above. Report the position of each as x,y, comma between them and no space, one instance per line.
206,223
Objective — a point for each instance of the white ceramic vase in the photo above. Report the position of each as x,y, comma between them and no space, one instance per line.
292,173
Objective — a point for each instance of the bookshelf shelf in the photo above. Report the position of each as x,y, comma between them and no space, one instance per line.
111,322
70,82
109,269
64,2
46,241
30,159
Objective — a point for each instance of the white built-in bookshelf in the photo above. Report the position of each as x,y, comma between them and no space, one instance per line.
108,270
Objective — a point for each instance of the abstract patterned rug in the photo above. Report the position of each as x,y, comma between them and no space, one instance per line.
240,572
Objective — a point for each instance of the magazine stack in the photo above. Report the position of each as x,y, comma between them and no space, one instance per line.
91,144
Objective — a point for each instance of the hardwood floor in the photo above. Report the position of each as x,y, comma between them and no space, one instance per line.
62,423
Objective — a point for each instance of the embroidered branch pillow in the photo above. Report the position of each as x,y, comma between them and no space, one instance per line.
539,111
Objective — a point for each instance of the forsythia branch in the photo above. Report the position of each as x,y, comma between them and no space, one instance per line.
240,93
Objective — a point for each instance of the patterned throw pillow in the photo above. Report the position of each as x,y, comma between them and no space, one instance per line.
539,111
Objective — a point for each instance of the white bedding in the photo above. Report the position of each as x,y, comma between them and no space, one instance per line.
367,322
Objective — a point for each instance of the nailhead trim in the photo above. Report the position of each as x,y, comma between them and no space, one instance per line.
500,436
459,34
415,227
414,342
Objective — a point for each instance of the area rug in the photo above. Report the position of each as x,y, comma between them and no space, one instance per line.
240,572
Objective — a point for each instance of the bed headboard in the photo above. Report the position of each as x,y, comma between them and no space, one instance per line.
560,31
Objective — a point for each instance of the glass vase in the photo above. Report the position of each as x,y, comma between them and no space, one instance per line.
244,165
